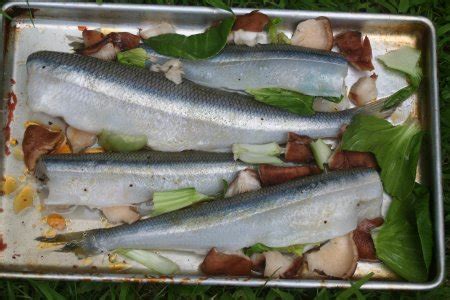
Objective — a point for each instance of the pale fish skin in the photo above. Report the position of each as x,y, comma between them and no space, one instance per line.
94,95
117,179
307,210
308,71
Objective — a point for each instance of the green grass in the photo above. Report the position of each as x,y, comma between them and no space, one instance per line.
439,12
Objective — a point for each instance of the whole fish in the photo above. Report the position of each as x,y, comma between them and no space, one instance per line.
94,95
308,210
112,179
308,71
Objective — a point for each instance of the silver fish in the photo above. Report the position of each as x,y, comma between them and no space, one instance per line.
94,95
114,179
309,71
308,210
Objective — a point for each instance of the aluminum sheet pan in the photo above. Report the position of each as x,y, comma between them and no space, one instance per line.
54,22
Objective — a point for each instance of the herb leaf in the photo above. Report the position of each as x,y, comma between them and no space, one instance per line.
404,243
276,37
197,46
292,101
396,149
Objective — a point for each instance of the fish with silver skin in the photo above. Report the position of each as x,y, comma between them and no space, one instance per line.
239,68
117,179
308,210
94,95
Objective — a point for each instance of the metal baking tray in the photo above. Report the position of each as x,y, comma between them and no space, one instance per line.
48,30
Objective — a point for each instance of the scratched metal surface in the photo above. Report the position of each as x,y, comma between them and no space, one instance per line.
54,22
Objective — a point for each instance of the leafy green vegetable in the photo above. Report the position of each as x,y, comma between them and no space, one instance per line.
219,4
258,154
151,260
197,46
333,99
321,152
404,242
134,57
396,149
115,142
292,101
259,248
399,96
276,37
405,59
354,289
164,202
421,201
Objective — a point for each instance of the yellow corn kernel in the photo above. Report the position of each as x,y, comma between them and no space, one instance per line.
24,199
8,185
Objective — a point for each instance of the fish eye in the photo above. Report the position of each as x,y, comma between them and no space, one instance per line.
43,67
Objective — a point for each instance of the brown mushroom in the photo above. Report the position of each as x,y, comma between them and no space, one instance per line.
314,33
108,47
218,263
91,37
298,149
39,140
363,238
342,160
254,21
337,258
271,175
357,52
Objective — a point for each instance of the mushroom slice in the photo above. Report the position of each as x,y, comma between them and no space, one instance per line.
342,160
364,90
162,28
245,181
254,21
363,238
218,263
121,214
278,265
271,175
358,53
80,140
314,33
39,140
92,37
337,258
298,149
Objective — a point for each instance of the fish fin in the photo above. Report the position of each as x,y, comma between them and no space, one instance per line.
83,243
376,108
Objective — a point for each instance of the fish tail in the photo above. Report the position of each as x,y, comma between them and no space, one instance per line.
376,108
81,243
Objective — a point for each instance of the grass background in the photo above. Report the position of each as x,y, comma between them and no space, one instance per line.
436,10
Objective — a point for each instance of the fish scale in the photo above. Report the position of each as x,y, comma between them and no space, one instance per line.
94,95
307,210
